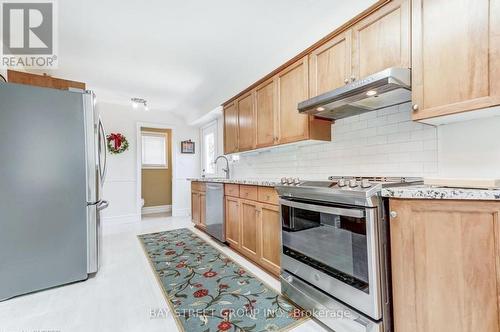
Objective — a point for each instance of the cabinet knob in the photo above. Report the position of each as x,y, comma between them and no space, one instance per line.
346,81
414,107
393,214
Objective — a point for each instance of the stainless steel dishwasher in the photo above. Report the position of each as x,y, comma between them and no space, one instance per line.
215,219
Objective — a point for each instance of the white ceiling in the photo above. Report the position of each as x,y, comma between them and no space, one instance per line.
187,56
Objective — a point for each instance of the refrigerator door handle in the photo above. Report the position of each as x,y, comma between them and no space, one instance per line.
102,146
102,205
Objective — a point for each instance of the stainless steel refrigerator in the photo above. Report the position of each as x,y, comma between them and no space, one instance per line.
52,167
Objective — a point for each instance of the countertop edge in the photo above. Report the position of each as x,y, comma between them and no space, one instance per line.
250,182
443,193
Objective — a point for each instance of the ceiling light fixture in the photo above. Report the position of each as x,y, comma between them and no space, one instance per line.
136,102
371,93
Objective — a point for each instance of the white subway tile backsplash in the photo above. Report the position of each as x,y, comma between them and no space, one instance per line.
384,142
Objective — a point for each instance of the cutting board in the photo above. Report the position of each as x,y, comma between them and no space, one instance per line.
463,183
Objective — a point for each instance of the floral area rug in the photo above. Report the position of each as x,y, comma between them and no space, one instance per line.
208,292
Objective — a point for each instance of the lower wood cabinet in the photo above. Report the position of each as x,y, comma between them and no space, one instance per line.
445,265
233,221
198,203
249,235
270,237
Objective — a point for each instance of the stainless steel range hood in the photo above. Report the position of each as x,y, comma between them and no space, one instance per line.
386,88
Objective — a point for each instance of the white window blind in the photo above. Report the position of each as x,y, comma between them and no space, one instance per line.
154,150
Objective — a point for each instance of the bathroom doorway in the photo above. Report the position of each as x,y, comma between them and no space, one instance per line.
156,171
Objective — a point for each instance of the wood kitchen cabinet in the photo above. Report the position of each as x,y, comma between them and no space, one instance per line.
382,40
231,128
266,114
293,87
203,202
195,207
456,67
233,221
249,228
44,81
330,64
246,122
445,265
270,237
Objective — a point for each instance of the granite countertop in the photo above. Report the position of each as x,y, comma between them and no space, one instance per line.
430,192
253,182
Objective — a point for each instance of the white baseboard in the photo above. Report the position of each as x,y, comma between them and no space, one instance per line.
124,219
156,209
181,212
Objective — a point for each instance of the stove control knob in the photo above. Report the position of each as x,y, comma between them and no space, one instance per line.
296,181
353,183
283,180
289,181
365,183
341,183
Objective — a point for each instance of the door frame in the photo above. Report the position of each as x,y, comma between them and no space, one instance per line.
138,158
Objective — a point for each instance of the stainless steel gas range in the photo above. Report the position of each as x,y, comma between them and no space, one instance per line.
335,250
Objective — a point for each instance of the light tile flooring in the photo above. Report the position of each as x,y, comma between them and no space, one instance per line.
120,297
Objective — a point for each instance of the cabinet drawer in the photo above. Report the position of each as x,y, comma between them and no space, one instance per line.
232,190
248,192
268,195
198,186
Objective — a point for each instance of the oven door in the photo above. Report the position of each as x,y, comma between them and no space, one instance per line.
335,248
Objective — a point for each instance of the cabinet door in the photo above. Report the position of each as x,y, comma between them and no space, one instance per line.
455,65
265,114
330,65
246,122
249,233
293,87
230,128
382,40
445,263
270,239
195,207
233,221
203,210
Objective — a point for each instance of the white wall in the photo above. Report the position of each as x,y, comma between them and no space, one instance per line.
121,182
470,149
384,142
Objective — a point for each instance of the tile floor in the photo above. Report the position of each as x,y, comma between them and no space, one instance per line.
120,297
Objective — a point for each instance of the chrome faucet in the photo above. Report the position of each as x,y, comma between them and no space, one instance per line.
226,170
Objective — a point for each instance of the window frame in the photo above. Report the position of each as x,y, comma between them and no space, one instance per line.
165,136
210,127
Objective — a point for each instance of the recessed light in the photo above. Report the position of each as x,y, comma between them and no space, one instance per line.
320,109
371,93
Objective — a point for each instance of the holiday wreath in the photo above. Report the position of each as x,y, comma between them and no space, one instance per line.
117,143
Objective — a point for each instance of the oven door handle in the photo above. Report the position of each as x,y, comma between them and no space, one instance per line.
355,213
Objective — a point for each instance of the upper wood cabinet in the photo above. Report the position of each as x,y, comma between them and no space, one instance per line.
455,56
42,81
230,128
382,40
246,122
293,87
265,114
445,265
330,64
